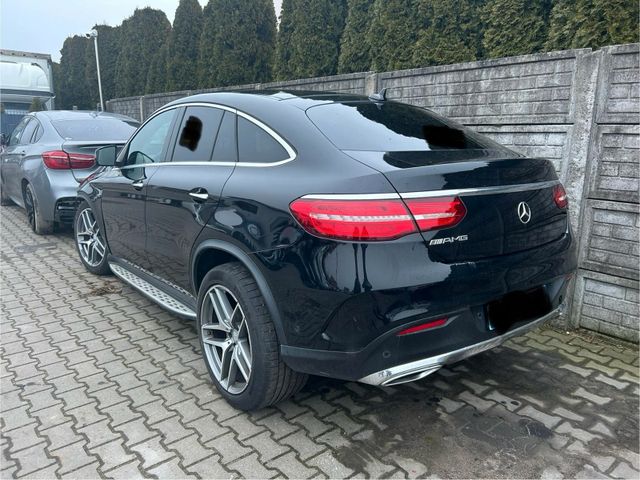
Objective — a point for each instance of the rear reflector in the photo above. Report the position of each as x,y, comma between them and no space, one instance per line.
422,327
560,196
61,160
371,220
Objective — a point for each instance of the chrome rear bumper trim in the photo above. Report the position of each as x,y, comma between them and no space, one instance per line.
409,372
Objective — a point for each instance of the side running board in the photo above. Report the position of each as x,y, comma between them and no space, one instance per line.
162,298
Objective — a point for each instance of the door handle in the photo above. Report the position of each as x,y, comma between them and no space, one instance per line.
199,194
138,184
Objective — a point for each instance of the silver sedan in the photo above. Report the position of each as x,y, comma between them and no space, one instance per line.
47,156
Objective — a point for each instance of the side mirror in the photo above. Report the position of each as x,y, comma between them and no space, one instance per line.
106,156
3,139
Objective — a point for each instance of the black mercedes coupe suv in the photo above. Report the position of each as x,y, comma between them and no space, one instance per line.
327,234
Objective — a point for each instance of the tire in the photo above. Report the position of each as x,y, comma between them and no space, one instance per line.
270,380
34,213
90,243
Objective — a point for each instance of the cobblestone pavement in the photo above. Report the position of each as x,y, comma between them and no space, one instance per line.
99,382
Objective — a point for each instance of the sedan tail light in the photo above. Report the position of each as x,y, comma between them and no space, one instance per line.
560,196
61,160
372,220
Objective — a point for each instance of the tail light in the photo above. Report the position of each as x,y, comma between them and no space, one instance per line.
371,220
437,213
61,160
560,196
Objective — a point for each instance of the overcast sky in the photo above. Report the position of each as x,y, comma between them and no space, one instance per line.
42,25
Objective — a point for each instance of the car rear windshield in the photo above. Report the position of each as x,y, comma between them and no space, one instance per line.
391,126
98,129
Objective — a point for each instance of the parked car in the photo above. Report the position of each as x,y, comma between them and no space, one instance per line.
48,154
327,234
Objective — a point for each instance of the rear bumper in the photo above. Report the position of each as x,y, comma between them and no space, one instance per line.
418,369
392,358
56,191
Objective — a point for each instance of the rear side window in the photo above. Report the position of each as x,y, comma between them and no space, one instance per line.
197,134
255,145
38,135
390,126
28,131
98,129
17,132
226,149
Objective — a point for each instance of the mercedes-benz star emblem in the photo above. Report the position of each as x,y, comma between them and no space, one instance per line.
524,212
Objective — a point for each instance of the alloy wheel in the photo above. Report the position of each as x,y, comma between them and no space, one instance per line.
90,242
225,338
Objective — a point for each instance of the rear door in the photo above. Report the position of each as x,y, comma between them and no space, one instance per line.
184,192
12,156
124,189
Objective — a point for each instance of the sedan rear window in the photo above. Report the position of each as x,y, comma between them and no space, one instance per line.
98,129
391,126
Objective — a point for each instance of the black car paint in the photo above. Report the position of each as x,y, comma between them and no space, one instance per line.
337,305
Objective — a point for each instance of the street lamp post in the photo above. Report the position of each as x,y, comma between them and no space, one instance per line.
94,34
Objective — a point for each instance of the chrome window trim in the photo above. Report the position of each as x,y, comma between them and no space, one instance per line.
460,192
292,155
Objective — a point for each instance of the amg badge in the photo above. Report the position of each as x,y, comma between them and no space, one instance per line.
441,241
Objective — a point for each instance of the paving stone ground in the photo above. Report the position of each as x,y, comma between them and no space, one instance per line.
97,381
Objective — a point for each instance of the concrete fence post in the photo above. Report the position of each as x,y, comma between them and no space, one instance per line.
583,111
141,100
584,95
371,84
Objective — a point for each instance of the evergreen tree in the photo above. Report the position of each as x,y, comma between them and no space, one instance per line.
622,20
72,80
392,34
36,105
56,78
108,50
592,23
355,55
143,35
238,40
561,25
309,38
451,32
515,27
157,74
183,45
282,69
315,39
